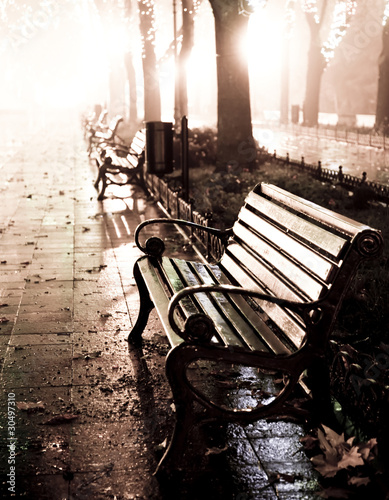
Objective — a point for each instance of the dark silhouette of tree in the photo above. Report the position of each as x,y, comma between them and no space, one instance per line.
382,112
187,40
235,144
129,65
319,54
152,95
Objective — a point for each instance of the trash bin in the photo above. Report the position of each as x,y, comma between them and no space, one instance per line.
159,147
295,113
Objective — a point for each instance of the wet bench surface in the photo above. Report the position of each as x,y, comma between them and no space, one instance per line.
269,304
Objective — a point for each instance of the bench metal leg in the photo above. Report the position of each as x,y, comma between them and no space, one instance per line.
176,365
172,457
146,306
102,176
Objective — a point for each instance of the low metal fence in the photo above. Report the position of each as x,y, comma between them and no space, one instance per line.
372,139
377,191
178,208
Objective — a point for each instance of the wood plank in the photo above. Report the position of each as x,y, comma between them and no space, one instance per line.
276,260
247,322
300,228
305,255
342,223
161,300
277,314
225,332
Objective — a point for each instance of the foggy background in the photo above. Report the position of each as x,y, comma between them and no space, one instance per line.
57,54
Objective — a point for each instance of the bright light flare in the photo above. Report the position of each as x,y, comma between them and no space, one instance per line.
263,45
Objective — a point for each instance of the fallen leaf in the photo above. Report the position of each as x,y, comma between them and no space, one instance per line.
324,467
61,419
368,450
215,450
351,458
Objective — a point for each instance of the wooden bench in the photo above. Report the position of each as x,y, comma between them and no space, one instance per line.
121,165
104,135
95,122
270,303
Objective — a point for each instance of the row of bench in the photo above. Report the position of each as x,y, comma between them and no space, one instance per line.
269,304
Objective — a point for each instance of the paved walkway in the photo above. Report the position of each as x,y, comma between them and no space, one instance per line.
90,413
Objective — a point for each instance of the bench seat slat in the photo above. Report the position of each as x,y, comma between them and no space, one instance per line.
275,259
301,228
270,278
301,253
242,315
174,282
279,316
224,330
153,282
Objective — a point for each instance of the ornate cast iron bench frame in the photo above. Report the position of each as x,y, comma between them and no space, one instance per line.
269,303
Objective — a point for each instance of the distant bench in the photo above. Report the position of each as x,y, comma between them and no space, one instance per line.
104,135
270,303
121,165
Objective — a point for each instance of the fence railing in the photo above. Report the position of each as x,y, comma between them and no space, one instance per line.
376,191
211,245
178,208
363,139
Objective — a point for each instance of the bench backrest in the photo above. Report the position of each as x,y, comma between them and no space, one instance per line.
138,143
286,246
114,125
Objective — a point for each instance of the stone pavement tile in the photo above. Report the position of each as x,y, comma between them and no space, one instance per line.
41,448
42,487
6,327
53,295
284,456
103,484
26,327
42,315
99,445
99,368
40,366
10,297
94,403
29,340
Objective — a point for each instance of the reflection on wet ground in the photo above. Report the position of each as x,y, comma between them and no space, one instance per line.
354,159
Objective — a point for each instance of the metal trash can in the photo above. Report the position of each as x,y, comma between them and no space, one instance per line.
295,112
159,147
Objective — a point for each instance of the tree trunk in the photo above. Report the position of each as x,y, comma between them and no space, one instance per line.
316,66
131,76
382,112
152,97
186,49
235,144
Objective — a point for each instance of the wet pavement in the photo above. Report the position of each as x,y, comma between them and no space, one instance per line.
355,159
82,414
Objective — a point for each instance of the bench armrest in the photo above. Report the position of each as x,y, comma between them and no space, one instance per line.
154,246
199,328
